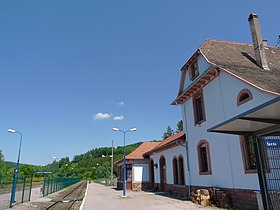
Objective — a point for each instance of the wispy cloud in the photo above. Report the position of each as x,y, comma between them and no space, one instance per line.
102,116
119,117
121,103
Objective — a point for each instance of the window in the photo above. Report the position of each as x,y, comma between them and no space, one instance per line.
175,171
194,70
248,154
244,96
120,173
204,158
129,172
198,108
181,171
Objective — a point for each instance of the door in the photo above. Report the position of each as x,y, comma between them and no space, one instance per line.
162,166
129,176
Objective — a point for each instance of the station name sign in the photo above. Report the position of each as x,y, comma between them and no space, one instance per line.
272,143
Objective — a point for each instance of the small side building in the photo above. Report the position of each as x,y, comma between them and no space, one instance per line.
168,165
138,173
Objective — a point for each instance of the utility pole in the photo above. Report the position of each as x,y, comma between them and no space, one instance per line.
112,162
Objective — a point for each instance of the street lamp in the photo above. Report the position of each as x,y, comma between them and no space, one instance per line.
16,169
124,154
106,163
56,159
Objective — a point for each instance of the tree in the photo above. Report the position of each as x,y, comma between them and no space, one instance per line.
169,132
2,159
179,126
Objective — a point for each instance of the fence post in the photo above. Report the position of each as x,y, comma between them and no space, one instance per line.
23,188
48,185
30,189
44,185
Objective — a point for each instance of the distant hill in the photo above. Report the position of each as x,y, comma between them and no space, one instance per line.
91,163
88,165
13,164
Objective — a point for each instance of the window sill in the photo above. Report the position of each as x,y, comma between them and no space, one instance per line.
200,122
205,173
250,171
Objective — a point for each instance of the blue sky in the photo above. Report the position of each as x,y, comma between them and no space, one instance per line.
63,62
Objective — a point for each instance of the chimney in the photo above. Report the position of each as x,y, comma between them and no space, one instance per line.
257,41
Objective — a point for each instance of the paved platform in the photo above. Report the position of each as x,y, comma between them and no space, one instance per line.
100,197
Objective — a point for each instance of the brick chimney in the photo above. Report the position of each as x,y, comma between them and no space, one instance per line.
257,41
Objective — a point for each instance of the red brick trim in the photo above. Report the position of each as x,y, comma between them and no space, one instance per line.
175,170
181,170
247,170
194,98
204,79
204,143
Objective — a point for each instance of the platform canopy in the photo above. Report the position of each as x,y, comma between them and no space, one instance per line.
260,120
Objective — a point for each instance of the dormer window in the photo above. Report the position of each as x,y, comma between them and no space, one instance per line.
194,70
244,96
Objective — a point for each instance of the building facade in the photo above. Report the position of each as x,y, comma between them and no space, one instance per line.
221,80
168,165
138,175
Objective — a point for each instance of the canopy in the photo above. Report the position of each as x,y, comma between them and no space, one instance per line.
260,120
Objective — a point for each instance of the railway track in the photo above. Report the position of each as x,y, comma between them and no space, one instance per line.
67,199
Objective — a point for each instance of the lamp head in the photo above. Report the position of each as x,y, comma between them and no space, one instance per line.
132,129
102,155
11,130
115,129
54,157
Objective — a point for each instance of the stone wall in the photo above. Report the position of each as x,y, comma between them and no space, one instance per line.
141,186
239,198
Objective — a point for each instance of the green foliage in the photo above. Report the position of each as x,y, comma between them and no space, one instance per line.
2,160
156,140
168,132
83,166
180,126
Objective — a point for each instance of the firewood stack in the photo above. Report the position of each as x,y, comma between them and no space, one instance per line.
201,196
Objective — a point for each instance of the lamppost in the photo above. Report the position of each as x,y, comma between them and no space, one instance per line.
16,169
124,154
56,159
97,179
106,163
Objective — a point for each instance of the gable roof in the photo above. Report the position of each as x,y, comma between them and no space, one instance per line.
239,60
169,142
139,151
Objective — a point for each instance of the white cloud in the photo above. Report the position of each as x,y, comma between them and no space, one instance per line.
121,103
119,117
102,116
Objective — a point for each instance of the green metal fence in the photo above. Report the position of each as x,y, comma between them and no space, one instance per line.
28,188
53,184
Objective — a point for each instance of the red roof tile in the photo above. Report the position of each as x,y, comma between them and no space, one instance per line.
239,59
168,141
143,148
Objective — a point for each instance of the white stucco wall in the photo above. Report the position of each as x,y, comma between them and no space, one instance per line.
169,155
220,101
141,172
